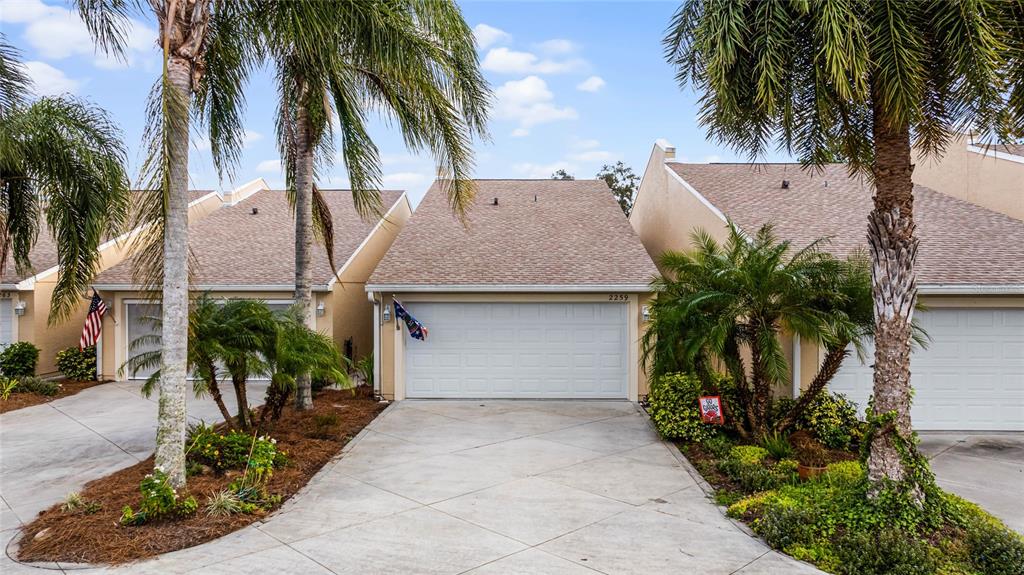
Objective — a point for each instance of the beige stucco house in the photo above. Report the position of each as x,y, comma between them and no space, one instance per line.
540,293
989,176
970,273
25,298
245,249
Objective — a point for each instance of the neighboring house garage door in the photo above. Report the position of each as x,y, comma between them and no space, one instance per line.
971,377
518,350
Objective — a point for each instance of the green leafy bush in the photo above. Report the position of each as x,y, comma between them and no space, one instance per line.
159,501
235,450
718,446
995,550
747,465
674,410
18,359
830,417
884,552
33,384
76,364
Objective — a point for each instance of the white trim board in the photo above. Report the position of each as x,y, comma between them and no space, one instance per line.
380,223
508,288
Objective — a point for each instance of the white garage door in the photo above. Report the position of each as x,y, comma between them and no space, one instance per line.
6,322
971,377
518,350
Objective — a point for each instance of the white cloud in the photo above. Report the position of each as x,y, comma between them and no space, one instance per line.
591,84
269,166
557,46
57,33
505,61
529,102
487,36
404,179
520,133
49,81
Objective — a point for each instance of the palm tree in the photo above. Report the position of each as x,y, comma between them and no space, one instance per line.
207,51
249,327
298,350
863,82
414,63
719,299
62,162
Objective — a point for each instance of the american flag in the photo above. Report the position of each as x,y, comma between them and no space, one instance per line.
93,322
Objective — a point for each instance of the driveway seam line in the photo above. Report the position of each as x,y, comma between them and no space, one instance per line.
98,434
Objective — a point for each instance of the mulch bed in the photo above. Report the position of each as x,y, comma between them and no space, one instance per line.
97,537
67,387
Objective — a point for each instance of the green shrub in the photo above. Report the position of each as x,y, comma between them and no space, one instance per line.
33,384
673,405
833,420
995,549
159,501
8,385
748,454
745,465
235,450
18,359
886,552
844,474
777,446
76,364
718,446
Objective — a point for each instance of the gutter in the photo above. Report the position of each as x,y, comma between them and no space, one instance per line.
508,288
215,288
971,289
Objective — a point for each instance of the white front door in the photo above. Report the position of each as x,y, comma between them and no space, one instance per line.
6,322
142,321
518,350
971,377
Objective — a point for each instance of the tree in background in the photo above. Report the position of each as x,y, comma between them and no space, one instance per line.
413,62
61,165
561,174
206,54
623,183
865,82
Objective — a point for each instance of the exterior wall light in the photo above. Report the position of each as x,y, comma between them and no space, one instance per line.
19,308
646,313
320,309
387,312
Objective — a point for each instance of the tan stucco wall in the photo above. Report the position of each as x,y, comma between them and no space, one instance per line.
353,311
666,213
996,183
393,341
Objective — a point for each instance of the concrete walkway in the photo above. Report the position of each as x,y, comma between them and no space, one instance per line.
451,487
986,468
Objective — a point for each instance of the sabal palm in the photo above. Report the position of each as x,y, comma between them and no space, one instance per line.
861,82
410,62
207,52
719,299
61,165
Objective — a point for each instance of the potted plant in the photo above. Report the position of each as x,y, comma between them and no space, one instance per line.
811,458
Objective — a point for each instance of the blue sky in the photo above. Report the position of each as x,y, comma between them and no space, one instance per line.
577,85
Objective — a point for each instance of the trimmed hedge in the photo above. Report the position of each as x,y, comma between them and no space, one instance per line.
76,364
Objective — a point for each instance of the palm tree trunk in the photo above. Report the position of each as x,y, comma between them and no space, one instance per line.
893,249
833,361
172,416
214,388
758,409
303,239
242,397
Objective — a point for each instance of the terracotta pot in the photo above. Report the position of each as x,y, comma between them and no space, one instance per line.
808,471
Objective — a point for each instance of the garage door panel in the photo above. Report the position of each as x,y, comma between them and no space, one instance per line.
971,377
540,350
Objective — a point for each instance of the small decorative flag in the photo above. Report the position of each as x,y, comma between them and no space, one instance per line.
711,409
93,322
416,329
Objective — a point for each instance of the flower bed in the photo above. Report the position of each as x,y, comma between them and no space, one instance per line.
232,483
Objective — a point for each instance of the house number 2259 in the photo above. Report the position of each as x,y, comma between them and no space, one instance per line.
618,297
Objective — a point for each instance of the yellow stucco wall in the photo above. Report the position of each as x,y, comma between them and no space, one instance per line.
996,183
393,341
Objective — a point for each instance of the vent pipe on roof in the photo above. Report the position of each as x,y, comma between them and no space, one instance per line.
785,184
495,202
255,211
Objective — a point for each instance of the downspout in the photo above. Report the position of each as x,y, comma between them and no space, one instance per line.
376,344
796,366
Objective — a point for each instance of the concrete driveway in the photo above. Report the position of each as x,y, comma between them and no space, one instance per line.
451,487
986,468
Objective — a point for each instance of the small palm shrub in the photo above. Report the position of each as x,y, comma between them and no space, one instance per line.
364,367
8,385
77,364
673,406
18,359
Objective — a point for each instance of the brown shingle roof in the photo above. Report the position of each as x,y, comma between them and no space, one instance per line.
961,243
574,234
234,247
44,253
